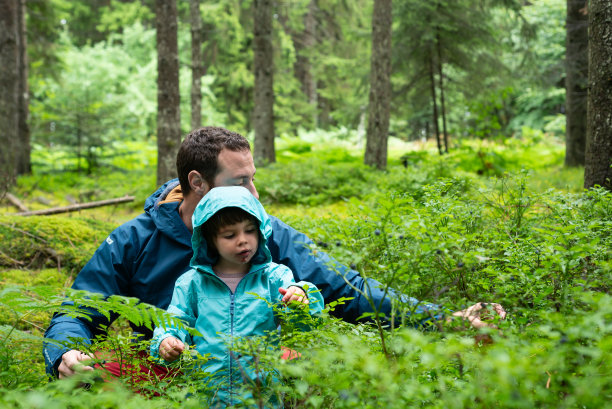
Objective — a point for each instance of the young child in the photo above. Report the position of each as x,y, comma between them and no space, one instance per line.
230,262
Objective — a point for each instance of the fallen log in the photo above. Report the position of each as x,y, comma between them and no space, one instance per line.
16,202
75,207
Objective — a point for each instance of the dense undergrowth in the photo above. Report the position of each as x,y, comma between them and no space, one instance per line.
466,227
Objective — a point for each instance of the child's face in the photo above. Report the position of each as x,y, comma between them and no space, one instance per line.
237,243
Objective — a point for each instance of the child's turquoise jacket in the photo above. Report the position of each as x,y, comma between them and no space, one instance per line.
205,302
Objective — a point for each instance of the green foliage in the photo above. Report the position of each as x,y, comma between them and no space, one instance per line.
49,241
106,93
430,227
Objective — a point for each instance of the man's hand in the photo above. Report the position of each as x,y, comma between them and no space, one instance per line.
73,361
475,316
293,293
170,348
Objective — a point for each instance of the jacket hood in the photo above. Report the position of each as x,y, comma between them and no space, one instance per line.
219,198
163,213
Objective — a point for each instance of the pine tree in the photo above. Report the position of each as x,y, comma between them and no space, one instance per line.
9,79
576,78
168,97
196,63
380,86
263,67
598,164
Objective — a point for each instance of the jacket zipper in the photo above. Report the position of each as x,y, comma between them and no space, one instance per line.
231,375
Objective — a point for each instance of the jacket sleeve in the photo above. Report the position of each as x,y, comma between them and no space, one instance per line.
292,248
182,307
105,273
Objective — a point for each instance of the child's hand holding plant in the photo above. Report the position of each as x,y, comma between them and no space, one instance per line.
293,293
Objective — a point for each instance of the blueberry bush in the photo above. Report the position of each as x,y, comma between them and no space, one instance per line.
434,229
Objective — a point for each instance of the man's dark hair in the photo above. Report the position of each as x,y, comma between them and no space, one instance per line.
200,150
224,217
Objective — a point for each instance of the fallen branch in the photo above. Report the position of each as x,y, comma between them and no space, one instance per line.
75,207
16,202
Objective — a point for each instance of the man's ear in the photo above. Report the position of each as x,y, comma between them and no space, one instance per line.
197,183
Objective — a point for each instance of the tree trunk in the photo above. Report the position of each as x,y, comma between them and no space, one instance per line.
576,77
24,165
9,100
304,44
168,98
598,170
380,86
441,80
434,103
263,66
196,64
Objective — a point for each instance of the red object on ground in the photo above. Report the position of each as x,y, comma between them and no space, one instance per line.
143,371
289,354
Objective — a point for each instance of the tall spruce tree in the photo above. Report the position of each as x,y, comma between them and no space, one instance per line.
379,104
23,147
168,97
598,164
9,80
263,67
576,78
196,63
440,44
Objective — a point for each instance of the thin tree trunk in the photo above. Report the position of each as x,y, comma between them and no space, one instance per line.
168,98
23,140
576,78
9,79
598,166
196,64
434,103
380,86
263,66
441,80
303,65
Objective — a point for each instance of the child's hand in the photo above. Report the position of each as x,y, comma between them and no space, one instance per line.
293,293
171,348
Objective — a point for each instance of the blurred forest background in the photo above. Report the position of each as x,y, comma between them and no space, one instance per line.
90,77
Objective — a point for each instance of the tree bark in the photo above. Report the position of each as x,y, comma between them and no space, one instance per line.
24,165
304,44
168,98
434,102
9,79
380,86
598,170
441,80
196,64
263,67
576,78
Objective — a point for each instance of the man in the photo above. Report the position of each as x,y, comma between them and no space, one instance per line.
144,257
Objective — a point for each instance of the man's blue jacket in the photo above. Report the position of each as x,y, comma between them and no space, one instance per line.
143,258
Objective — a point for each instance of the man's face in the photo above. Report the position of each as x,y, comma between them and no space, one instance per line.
236,169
